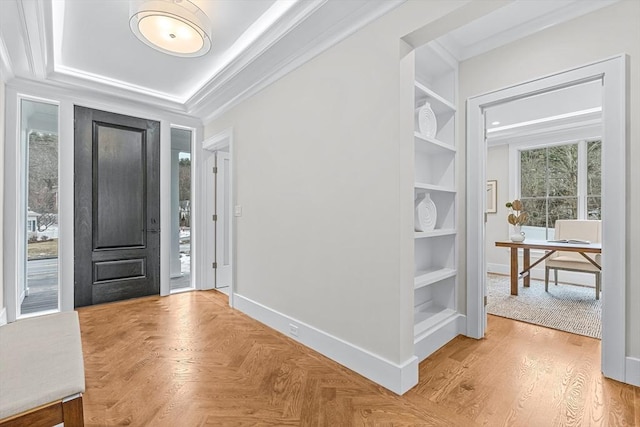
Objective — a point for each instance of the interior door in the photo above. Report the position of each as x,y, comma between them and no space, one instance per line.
223,222
117,207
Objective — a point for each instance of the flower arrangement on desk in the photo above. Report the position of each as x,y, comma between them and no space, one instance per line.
516,217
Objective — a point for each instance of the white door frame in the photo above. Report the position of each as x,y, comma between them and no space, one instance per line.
219,141
612,73
223,221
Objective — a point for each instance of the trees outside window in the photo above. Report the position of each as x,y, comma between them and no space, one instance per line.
560,182
184,189
43,178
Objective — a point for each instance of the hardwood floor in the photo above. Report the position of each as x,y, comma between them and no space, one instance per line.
189,360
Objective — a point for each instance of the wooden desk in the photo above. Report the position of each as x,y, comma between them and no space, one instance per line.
550,247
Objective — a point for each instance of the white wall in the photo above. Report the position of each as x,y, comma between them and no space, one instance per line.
602,34
2,139
317,162
497,227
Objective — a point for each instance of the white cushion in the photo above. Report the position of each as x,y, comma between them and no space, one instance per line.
40,362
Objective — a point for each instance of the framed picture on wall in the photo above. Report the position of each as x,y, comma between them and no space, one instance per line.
492,196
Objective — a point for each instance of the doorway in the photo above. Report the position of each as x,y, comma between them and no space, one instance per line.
611,74
117,207
218,216
545,150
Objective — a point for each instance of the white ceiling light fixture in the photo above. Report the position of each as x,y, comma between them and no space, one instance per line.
175,27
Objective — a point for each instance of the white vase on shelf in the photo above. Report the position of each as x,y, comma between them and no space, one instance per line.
427,121
425,212
518,234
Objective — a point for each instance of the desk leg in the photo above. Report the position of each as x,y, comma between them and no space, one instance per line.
514,271
525,267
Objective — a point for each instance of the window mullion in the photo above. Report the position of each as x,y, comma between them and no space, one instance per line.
546,195
582,180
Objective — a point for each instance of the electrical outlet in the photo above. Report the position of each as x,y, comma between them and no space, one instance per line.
293,329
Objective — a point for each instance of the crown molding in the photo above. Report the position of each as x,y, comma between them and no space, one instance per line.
291,20
257,77
88,96
105,84
6,67
562,14
32,20
283,46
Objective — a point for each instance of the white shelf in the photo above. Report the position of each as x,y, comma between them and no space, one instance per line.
431,276
424,186
429,316
438,104
434,233
432,145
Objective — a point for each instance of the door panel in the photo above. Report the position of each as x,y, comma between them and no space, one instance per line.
114,270
120,181
117,207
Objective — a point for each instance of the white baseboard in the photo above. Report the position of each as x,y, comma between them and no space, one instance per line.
3,316
439,335
632,371
537,273
397,378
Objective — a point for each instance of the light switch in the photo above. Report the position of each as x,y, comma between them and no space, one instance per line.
237,210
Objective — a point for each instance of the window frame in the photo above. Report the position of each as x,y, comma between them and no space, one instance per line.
22,205
515,150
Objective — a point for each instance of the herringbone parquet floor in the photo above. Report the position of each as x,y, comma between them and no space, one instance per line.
190,360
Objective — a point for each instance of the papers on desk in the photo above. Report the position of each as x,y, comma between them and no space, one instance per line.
574,241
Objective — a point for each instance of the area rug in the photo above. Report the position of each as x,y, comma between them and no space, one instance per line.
565,307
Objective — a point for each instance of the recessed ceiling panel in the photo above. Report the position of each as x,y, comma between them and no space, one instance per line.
95,37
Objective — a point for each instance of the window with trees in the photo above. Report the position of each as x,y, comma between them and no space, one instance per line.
181,211
560,182
39,140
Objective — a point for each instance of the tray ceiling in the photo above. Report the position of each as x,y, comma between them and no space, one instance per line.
87,45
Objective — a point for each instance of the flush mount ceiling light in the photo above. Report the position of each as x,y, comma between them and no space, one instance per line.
175,27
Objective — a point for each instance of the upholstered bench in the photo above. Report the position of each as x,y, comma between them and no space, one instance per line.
41,372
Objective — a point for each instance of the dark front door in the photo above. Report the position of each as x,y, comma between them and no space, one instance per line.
117,207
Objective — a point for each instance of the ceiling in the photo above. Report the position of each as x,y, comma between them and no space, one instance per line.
92,38
87,44
546,107
557,112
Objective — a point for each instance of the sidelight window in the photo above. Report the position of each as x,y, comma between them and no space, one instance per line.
180,209
39,291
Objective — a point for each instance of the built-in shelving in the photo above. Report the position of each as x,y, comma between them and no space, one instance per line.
434,233
439,104
431,187
432,146
436,318
429,316
432,275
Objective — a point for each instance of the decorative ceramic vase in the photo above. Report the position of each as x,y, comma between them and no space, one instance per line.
427,122
518,234
425,213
